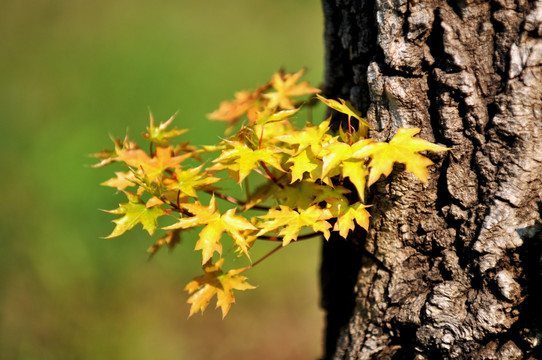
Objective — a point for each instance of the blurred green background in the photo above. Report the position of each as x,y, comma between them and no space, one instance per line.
73,71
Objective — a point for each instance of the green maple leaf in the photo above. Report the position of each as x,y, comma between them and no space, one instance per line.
135,212
161,134
403,148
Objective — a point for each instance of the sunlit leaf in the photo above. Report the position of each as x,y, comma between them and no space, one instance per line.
346,214
216,225
310,136
304,162
270,116
403,148
290,222
243,159
356,171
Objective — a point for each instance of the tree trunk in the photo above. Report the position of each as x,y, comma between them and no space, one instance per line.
450,269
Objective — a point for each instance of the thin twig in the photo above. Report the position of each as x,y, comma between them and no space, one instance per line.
236,201
349,131
261,259
178,208
279,238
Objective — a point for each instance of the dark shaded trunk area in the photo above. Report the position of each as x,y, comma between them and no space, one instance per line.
450,269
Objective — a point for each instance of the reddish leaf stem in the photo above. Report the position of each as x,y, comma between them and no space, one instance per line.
261,138
270,175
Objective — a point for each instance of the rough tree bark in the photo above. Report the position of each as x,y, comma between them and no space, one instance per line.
449,269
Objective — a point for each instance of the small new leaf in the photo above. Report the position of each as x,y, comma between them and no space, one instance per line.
161,134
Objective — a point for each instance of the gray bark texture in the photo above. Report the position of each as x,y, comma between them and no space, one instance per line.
450,269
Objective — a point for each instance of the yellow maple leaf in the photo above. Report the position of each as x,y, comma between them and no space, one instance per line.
304,162
216,225
304,194
311,136
357,172
230,281
271,115
344,107
403,148
242,159
346,214
292,221
215,281
335,153
190,180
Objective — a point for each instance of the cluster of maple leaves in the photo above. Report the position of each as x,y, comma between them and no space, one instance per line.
304,172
